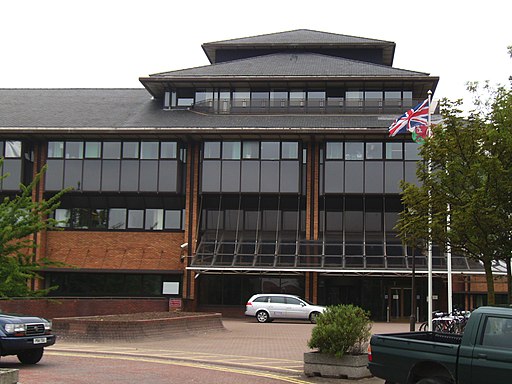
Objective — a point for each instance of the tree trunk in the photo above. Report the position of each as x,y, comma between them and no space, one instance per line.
491,299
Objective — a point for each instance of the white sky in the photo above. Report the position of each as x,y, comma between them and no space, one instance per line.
111,43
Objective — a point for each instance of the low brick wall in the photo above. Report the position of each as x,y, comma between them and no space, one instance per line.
129,328
51,308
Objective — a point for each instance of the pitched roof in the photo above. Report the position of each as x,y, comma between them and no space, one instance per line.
280,67
109,112
299,37
286,65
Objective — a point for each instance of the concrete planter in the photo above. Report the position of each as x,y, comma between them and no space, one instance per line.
8,376
346,367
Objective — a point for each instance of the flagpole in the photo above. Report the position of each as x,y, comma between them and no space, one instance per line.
429,248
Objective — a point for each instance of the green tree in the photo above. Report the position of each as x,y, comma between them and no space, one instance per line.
21,219
467,167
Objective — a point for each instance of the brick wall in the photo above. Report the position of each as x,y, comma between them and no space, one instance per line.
72,307
108,329
116,250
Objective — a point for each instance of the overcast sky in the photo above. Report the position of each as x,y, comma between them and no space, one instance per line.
111,43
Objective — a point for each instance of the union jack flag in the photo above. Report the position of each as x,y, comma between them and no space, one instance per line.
416,117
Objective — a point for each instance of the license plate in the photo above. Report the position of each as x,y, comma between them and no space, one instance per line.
40,340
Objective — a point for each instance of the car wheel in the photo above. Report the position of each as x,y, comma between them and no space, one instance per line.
313,317
30,356
262,317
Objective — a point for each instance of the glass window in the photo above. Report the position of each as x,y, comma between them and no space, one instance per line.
279,99
168,150
373,98
289,150
74,150
173,219
412,151
259,99
55,149
204,98
135,218
374,151
111,150
270,150
251,150
211,150
498,332
393,98
92,149
117,218
149,150
334,151
154,219
99,218
62,216
80,218
231,150
12,149
131,150
316,98
354,98
407,98
297,98
241,98
354,150
394,151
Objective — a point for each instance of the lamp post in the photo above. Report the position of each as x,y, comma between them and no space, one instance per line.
412,319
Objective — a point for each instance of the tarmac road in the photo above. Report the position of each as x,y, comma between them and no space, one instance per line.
246,351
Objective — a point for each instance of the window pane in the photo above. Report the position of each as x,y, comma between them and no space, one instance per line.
251,149
270,150
117,218
168,150
278,99
63,216
334,151
135,218
154,219
13,149
99,218
412,151
297,98
290,150
212,150
354,151
80,218
394,151
74,150
130,150
149,150
92,149
55,149
111,150
172,219
374,150
231,150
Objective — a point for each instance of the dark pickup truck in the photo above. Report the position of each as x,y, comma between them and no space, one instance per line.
482,355
25,337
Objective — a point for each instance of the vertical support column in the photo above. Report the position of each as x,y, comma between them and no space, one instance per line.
40,152
191,225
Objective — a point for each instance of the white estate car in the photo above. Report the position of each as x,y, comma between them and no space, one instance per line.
267,307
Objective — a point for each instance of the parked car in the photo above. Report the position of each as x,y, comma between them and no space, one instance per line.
25,337
267,307
483,354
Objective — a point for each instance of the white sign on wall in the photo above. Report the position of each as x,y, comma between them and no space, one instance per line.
171,288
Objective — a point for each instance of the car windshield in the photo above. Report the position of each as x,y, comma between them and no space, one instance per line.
307,301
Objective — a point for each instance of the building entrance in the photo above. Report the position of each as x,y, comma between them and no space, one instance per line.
399,303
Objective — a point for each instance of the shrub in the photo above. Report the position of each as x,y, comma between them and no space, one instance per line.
341,329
